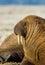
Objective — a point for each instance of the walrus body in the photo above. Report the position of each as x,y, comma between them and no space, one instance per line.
10,48
32,28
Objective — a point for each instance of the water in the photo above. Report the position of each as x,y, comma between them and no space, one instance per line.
22,2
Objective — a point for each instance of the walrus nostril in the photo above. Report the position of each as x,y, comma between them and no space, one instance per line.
2,59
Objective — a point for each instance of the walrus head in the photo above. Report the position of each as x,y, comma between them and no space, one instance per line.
22,27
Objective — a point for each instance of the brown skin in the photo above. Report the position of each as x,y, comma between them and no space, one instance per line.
22,28
9,47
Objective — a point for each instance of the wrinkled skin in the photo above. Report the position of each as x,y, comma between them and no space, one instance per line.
36,24
21,27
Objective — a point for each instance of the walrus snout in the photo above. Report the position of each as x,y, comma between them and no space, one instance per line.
20,29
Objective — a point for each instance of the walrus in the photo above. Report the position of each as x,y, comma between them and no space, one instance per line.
32,28
11,50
